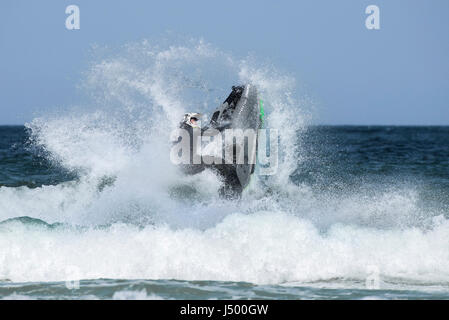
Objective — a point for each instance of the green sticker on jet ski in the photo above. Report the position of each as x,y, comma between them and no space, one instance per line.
262,112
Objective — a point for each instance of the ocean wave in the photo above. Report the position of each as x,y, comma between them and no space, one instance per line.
262,248
130,214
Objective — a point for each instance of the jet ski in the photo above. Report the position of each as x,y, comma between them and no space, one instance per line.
240,115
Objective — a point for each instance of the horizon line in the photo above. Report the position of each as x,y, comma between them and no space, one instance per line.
320,124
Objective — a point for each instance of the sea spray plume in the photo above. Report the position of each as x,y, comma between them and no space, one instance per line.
283,113
138,93
138,96
142,90
155,81
153,223
92,144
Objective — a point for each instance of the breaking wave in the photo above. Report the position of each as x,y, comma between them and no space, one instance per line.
131,215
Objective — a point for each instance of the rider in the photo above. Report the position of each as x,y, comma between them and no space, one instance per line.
191,119
232,187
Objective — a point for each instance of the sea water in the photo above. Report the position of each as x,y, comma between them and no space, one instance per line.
92,208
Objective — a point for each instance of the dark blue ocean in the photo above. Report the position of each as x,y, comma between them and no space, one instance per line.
356,212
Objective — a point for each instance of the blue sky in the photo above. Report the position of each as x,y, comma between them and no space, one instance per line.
396,75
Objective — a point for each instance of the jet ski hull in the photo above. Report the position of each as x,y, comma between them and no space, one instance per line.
240,111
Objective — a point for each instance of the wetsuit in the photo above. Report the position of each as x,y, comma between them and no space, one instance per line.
231,189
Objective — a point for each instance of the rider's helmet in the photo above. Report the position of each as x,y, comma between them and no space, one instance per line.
192,119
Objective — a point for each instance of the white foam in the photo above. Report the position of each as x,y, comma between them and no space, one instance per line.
279,233
263,248
135,295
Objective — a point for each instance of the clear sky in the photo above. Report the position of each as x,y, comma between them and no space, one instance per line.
396,75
